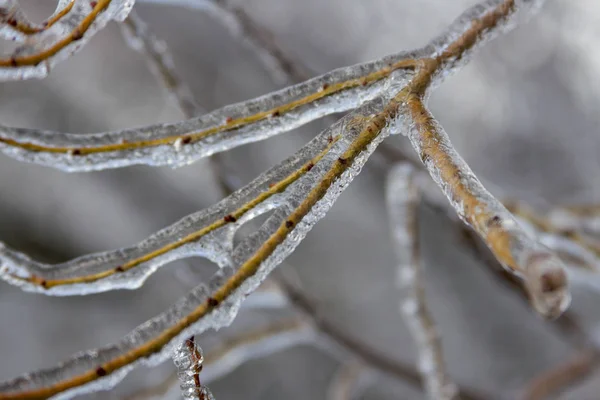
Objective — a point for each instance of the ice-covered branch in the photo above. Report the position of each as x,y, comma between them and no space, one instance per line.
183,142
299,191
311,186
517,250
402,204
208,233
282,69
558,379
14,25
71,27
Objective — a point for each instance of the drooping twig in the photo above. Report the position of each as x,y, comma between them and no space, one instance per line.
402,196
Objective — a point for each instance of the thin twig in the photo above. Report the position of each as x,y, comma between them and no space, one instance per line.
345,384
160,61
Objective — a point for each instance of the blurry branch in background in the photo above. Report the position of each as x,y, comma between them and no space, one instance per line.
402,194
160,61
16,22
188,359
346,385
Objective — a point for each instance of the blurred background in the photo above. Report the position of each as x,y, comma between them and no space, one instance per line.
523,113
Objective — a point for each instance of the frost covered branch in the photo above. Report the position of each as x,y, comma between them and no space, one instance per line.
402,202
67,31
181,143
558,379
517,250
139,37
240,349
389,94
188,359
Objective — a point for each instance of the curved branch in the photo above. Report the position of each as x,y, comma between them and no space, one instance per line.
12,16
181,143
43,49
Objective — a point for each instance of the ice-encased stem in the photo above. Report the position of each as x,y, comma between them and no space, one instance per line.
188,359
402,196
181,143
518,251
69,29
348,144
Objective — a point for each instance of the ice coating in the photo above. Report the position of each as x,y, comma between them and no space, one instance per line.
221,130
517,250
208,233
307,199
402,202
138,37
45,46
249,34
155,340
188,359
